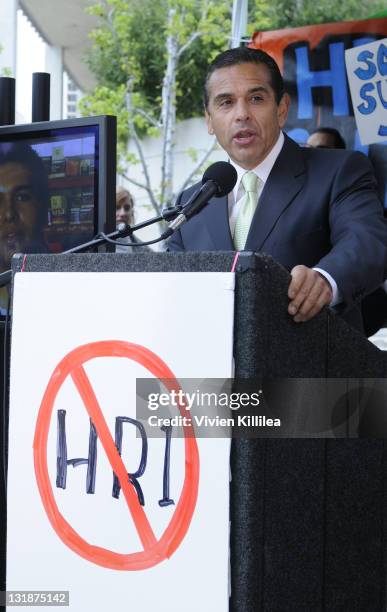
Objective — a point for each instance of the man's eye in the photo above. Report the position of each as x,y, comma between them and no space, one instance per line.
256,99
23,196
225,103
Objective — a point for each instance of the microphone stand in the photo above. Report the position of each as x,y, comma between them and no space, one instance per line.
168,214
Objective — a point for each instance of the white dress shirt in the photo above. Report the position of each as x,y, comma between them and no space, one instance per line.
263,171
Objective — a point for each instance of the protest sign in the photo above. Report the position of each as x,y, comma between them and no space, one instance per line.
75,522
367,78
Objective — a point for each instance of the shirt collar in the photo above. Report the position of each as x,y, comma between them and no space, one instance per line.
264,168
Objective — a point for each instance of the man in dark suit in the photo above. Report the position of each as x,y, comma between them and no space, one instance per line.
314,211
374,305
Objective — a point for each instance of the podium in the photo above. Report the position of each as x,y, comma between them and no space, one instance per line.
308,506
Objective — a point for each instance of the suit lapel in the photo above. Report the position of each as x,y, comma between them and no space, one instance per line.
285,181
217,224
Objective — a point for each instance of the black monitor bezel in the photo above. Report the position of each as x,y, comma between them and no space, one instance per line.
107,130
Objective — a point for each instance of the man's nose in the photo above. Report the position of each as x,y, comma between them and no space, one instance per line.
7,209
242,110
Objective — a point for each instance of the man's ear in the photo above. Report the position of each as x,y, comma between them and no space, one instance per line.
283,109
210,129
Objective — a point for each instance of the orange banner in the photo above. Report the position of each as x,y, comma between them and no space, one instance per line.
276,41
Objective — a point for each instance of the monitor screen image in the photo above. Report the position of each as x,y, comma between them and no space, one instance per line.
57,185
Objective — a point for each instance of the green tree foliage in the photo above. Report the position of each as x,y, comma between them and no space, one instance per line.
150,57
130,44
280,14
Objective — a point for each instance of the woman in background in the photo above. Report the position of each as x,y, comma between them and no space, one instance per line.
125,214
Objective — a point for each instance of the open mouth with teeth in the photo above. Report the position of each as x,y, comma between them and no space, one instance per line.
244,137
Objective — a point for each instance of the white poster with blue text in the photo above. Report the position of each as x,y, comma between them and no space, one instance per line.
367,78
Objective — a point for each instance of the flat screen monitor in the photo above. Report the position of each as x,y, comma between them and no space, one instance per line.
57,184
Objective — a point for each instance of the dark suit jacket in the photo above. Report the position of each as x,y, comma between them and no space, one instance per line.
318,208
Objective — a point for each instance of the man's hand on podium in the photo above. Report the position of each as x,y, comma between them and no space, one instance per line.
308,292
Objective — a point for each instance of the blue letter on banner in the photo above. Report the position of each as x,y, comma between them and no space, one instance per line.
334,78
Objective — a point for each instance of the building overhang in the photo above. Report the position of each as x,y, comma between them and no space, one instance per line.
67,25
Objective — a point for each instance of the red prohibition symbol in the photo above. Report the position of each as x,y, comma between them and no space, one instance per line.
154,550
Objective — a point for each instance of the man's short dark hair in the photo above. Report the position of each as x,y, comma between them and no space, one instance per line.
245,55
339,142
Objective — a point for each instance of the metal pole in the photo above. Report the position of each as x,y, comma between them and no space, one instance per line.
239,22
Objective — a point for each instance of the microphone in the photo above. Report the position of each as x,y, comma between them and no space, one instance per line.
218,180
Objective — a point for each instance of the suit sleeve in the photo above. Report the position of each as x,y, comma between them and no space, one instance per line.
175,243
358,257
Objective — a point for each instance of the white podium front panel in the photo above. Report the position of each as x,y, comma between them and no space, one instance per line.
79,341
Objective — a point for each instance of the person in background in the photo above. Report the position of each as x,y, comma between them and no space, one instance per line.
125,214
23,205
374,305
326,138
124,206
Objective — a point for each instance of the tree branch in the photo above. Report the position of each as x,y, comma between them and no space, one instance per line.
189,42
168,113
145,169
110,21
136,140
148,117
198,166
133,181
196,35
